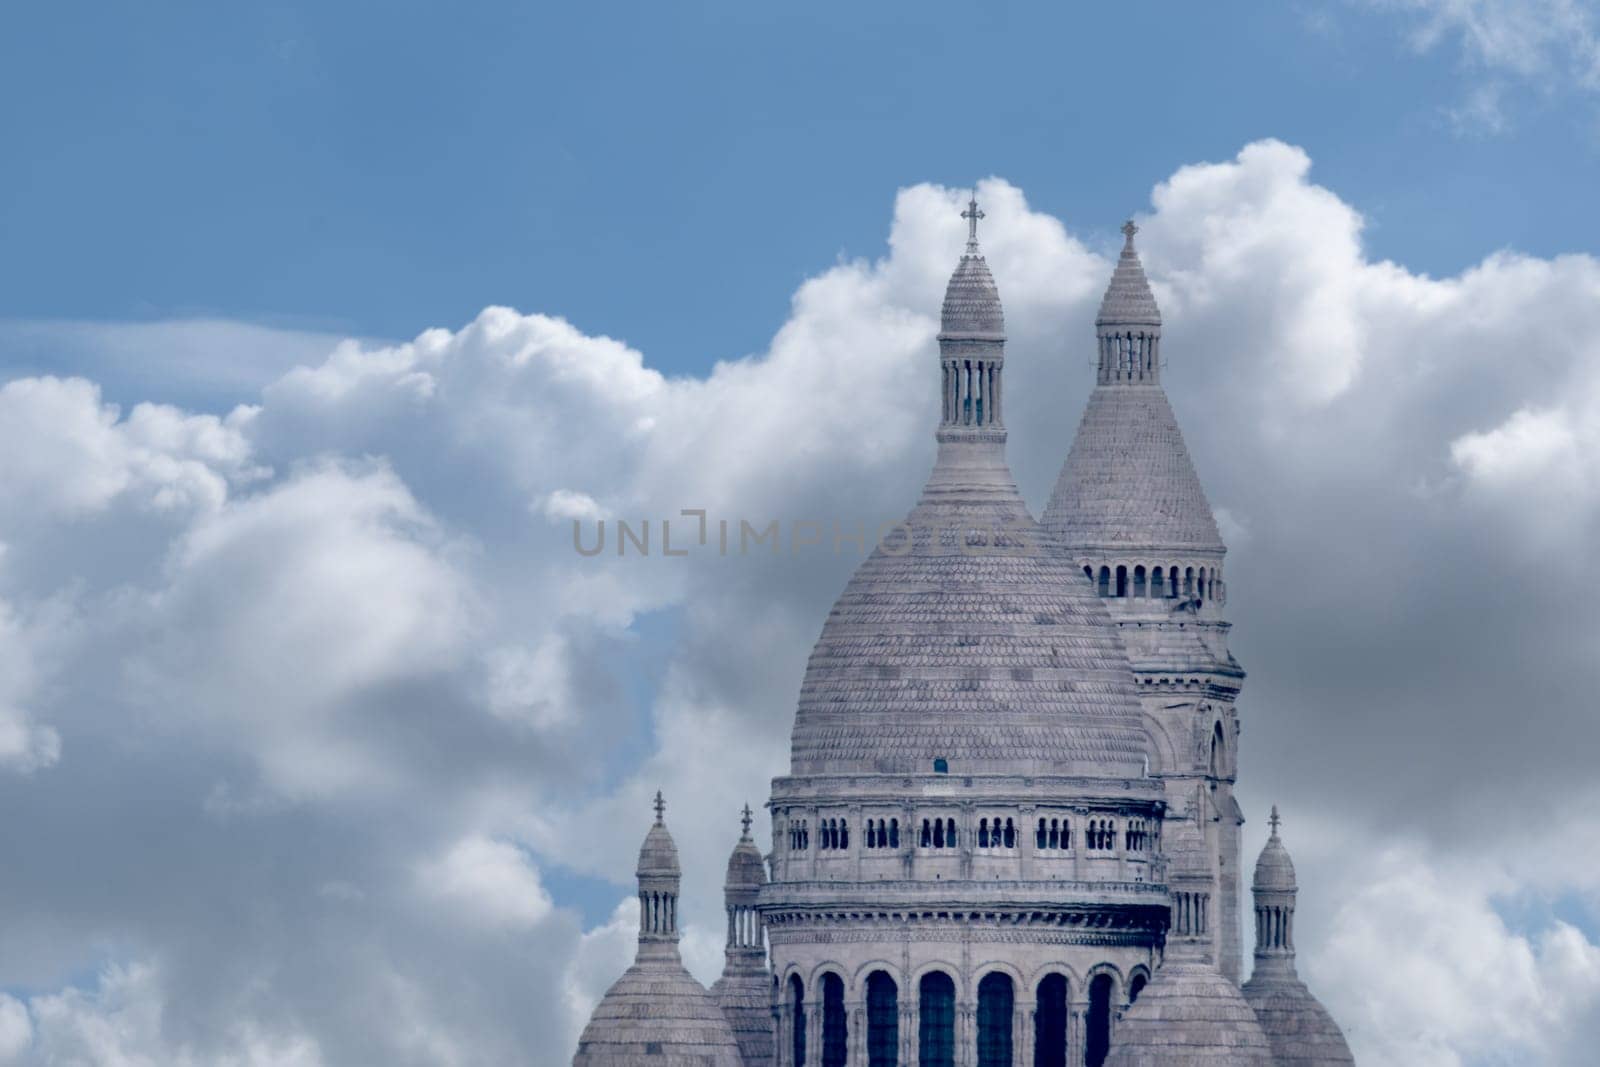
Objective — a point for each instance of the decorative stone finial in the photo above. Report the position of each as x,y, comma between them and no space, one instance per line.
746,820
1274,821
972,215
1128,230
661,808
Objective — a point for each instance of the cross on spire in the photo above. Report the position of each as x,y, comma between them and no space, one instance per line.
1274,821
972,215
746,820
1129,229
661,807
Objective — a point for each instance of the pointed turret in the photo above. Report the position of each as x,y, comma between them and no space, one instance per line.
1302,1032
657,1009
1128,509
745,989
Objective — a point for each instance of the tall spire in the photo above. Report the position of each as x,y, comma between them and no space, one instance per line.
1129,323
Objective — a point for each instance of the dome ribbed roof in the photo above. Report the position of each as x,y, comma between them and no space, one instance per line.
746,869
746,1002
1274,868
1003,661
972,301
1190,1015
1298,1027
1128,481
657,1015
658,856
1128,300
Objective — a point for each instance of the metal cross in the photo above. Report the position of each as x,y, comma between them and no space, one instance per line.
972,215
747,820
1129,229
661,806
1274,820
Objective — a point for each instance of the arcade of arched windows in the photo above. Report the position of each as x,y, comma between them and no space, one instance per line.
1050,833
919,1019
1143,581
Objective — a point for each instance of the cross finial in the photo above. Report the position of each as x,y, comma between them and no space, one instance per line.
661,807
1129,229
972,215
746,820
1274,821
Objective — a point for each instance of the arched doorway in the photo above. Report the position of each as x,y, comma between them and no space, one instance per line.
883,1021
1050,1023
1098,1039
936,1035
996,998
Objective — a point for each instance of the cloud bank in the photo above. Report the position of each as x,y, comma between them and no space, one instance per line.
326,740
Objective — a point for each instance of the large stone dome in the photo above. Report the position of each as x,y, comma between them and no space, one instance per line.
991,658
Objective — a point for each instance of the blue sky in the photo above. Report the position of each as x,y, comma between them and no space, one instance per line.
666,173
309,714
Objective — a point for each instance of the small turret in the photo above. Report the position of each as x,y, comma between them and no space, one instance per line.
656,1013
1302,1032
745,989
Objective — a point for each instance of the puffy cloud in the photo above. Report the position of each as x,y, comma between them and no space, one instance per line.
486,881
16,1029
334,660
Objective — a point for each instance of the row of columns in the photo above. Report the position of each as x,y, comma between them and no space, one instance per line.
1275,928
1023,1033
971,392
1129,357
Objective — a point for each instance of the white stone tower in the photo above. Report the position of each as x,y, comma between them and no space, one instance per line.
745,989
963,849
656,1014
1302,1032
1129,511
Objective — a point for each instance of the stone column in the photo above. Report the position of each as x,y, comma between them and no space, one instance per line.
1022,1014
855,1034
966,1035
1077,1034
910,1034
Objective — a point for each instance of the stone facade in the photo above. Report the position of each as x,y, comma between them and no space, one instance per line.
1008,832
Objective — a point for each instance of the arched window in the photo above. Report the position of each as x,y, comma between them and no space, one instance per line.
995,999
1122,580
941,766
1135,987
883,1021
1066,833
1188,581
1098,1042
950,832
1041,837
1139,589
1050,1023
1219,751
1158,583
927,835
936,1032
983,833
1055,834
1200,584
1105,581
894,833
844,833
1088,572
1174,586
938,833
1010,835
872,834
797,1006
833,1021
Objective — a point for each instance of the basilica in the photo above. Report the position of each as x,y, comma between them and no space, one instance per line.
1008,834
